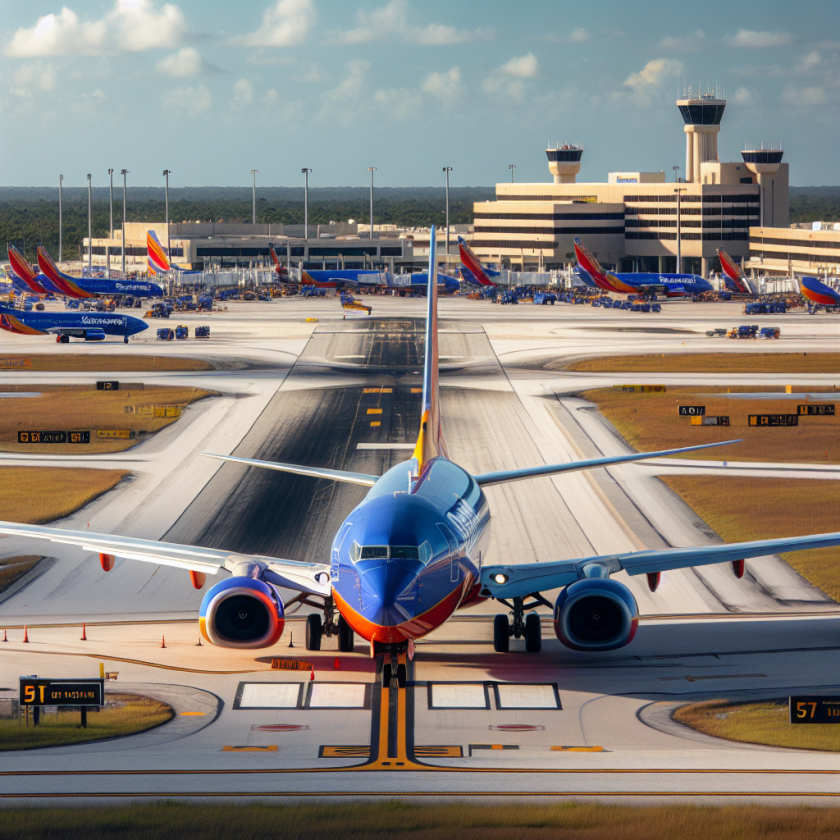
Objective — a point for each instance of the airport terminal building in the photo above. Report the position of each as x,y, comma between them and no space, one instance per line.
631,222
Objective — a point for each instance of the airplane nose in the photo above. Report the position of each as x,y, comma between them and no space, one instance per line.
389,590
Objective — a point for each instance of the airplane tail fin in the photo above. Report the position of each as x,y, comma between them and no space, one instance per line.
279,268
23,270
818,292
476,273
733,274
603,279
158,261
61,280
430,442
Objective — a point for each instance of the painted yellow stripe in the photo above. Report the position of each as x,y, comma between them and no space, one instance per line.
375,423
269,748
374,411
577,749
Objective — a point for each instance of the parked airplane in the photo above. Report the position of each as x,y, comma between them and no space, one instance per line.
279,268
156,259
672,285
818,292
471,268
733,275
413,551
87,287
91,326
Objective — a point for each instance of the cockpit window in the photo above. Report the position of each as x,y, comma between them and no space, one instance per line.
374,552
405,552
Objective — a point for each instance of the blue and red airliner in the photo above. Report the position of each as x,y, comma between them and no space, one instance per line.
733,274
817,292
414,551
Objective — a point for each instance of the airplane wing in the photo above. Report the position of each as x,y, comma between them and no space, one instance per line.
486,479
292,574
518,581
315,472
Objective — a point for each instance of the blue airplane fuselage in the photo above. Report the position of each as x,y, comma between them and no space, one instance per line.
109,323
409,554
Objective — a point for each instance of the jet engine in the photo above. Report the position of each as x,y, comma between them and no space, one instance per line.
94,335
242,612
596,614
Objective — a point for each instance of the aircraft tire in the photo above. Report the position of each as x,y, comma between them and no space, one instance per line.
533,633
501,634
402,676
386,676
313,632
346,636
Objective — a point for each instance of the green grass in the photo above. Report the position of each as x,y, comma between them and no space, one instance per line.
124,714
397,820
758,723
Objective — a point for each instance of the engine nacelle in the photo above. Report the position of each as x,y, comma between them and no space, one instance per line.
242,612
94,335
596,614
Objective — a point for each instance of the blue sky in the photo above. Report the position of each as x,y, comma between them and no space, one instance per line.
214,89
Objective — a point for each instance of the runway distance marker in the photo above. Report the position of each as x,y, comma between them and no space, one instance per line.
54,437
71,692
692,410
722,420
773,419
814,709
816,410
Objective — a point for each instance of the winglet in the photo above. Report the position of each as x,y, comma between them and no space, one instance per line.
430,440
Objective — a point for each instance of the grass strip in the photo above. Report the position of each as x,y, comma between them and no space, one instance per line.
398,820
73,407
81,362
739,361
12,569
35,495
743,509
651,421
766,723
123,714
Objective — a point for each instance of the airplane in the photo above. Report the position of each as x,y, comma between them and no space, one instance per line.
279,268
91,326
818,292
86,287
589,270
471,268
413,551
25,279
156,259
419,282
733,275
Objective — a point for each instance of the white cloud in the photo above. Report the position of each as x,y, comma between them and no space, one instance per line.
391,21
341,103
285,24
750,39
686,43
30,78
804,97
187,100
446,86
185,64
271,97
401,103
579,36
525,67
131,26
651,78
243,92
744,96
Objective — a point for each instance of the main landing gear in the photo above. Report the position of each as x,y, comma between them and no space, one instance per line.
332,624
521,625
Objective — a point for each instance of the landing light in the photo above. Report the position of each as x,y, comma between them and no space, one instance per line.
500,578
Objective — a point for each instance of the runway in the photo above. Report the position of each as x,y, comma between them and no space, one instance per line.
312,393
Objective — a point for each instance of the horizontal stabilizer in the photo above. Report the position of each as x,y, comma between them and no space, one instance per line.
315,472
486,479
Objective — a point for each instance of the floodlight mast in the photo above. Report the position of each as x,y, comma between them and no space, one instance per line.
90,225
166,174
371,169
254,196
447,170
111,217
60,219
123,172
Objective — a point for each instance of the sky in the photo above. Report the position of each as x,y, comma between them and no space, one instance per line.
212,90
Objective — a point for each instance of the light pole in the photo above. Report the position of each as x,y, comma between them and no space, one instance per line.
447,170
123,172
676,174
111,214
166,194
254,197
371,169
679,191
511,166
306,172
90,225
60,220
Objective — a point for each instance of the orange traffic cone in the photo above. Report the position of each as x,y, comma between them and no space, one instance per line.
5,636
291,639
312,675
25,633
163,641
84,632
337,663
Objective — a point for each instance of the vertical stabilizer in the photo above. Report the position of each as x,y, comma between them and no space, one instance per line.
733,274
23,271
66,284
158,261
430,440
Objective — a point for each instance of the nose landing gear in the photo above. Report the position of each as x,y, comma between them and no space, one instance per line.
522,625
332,624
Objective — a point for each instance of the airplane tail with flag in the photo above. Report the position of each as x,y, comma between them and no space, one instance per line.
23,271
279,268
817,292
430,443
64,282
158,261
603,279
733,275
475,272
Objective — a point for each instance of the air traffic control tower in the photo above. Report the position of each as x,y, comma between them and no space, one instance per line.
702,118
765,164
564,163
